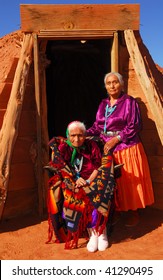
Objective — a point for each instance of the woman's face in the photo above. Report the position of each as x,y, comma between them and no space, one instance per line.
113,86
76,137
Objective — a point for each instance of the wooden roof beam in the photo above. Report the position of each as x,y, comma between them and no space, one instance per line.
149,89
68,17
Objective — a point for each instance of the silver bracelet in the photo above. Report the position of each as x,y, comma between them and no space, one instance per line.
118,137
88,182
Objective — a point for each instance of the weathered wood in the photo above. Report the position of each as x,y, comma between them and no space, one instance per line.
38,121
79,17
75,34
9,130
44,116
114,53
144,79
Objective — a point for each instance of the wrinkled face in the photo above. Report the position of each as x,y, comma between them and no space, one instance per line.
76,137
113,86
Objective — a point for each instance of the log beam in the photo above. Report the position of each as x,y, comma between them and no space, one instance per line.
149,88
39,164
114,53
10,125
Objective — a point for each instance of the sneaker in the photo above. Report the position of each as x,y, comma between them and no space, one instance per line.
92,245
103,243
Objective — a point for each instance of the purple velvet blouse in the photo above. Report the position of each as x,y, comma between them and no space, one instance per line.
125,119
91,156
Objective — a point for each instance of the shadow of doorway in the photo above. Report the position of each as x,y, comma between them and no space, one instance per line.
75,81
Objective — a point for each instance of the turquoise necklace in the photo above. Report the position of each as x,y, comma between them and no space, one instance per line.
78,166
108,112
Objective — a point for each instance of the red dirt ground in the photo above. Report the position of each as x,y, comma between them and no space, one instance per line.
24,239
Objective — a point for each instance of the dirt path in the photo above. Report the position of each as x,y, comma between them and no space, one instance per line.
25,239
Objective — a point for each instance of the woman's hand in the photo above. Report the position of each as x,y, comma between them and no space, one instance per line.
110,144
80,182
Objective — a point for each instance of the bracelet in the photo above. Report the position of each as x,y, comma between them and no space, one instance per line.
119,138
88,182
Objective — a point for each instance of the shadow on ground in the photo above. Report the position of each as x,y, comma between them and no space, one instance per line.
150,219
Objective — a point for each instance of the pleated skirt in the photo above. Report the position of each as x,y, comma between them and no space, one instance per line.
134,187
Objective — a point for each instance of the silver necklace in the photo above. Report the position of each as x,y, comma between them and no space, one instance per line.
78,166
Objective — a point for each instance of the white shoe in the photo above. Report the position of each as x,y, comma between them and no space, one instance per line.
92,245
103,243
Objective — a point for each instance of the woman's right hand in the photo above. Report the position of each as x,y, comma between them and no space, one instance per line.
110,144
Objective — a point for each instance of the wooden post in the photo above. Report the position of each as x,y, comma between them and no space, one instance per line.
44,123
39,167
9,129
148,87
114,53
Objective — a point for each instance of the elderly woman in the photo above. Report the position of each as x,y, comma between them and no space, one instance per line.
87,186
118,124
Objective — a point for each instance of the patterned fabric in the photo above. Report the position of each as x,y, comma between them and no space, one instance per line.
71,211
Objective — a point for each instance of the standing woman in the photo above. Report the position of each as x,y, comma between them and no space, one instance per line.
118,124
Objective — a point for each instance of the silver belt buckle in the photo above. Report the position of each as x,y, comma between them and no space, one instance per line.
110,133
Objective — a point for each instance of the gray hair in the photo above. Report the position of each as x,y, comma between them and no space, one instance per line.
76,124
119,76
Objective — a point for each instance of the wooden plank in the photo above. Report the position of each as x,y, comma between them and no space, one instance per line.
9,130
75,34
44,119
114,53
79,17
149,89
38,121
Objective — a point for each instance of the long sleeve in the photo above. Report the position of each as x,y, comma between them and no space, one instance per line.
132,121
125,120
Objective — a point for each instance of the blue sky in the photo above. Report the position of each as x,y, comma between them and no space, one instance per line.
151,14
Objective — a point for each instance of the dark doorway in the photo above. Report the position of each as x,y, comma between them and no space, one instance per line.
75,81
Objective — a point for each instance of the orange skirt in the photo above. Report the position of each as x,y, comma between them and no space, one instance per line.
134,187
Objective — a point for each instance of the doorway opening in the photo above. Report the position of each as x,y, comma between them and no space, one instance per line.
75,81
